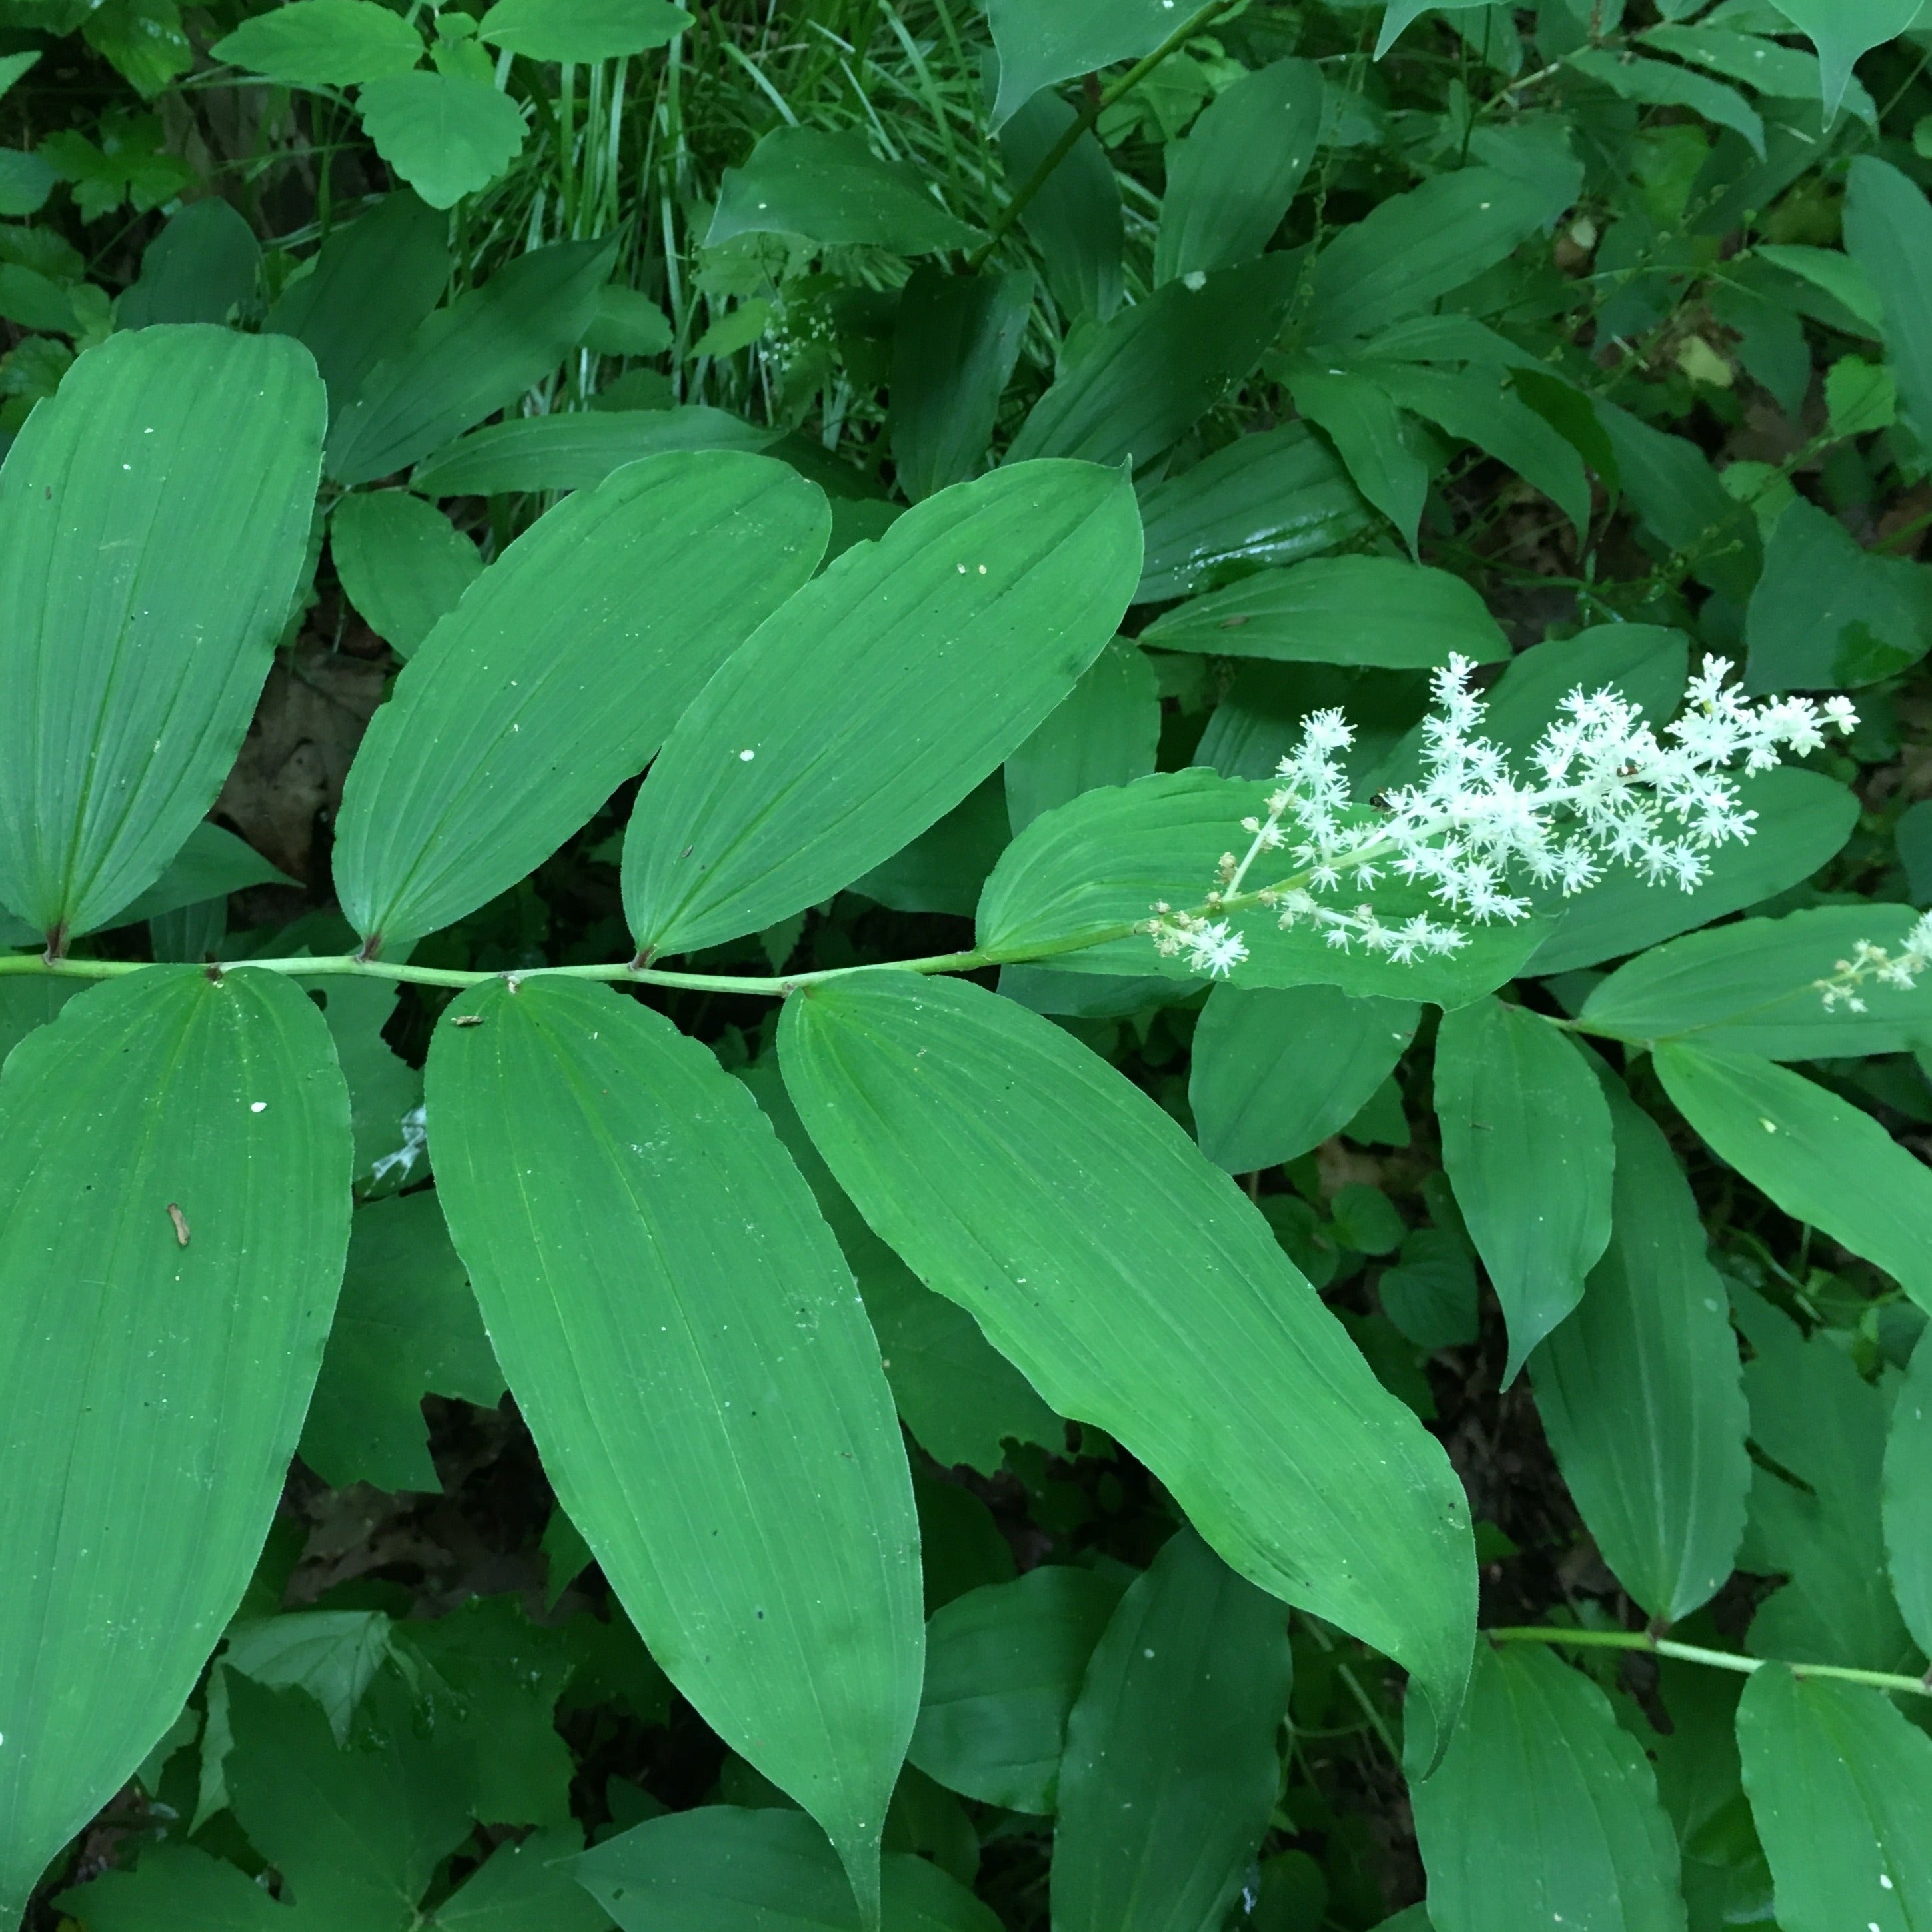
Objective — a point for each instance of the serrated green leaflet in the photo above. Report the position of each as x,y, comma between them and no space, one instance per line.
1003,1666
1137,1289
1639,1391
1172,1770
170,1273
876,699
1541,1766
446,134
685,1341
153,516
323,44
1822,1160
1840,1784
558,675
1526,1142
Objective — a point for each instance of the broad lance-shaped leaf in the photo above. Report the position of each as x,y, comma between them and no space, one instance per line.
683,1337
1526,1141
1822,1159
154,517
557,676
875,699
167,1274
1171,1768
1841,1785
1640,1389
1908,1498
1544,1811
1138,1289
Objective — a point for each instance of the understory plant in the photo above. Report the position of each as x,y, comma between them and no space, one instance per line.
965,966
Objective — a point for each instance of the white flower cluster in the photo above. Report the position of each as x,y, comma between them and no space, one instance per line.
1868,962
1605,789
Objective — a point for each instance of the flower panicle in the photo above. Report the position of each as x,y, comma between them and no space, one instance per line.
1871,964
1601,787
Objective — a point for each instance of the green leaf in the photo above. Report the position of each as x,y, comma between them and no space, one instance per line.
954,346
1888,232
1639,1392
203,263
1526,1141
575,450
445,134
1752,988
1818,1422
362,295
1075,220
1241,1392
1136,384
628,323
834,190
581,30
1907,1496
1839,1783
400,564
1171,1769
1803,819
157,511
530,1886
1762,64
1852,300
1093,868
1038,45
1683,505
176,1885
1105,732
1841,30
26,181
1274,496
323,44
27,1004
147,1430
877,699
1823,1161
1660,84
1541,1766
680,1332
1230,180
1399,13
1003,1666
384,1090
944,868
1369,433
961,1398
406,1326
1276,1071
466,362
357,1832
1474,405
143,40
1417,246
552,682
1338,609
1828,614
763,1871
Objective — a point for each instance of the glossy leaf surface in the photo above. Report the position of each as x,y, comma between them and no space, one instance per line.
683,1338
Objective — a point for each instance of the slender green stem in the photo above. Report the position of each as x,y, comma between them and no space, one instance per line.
1085,119
1716,1659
